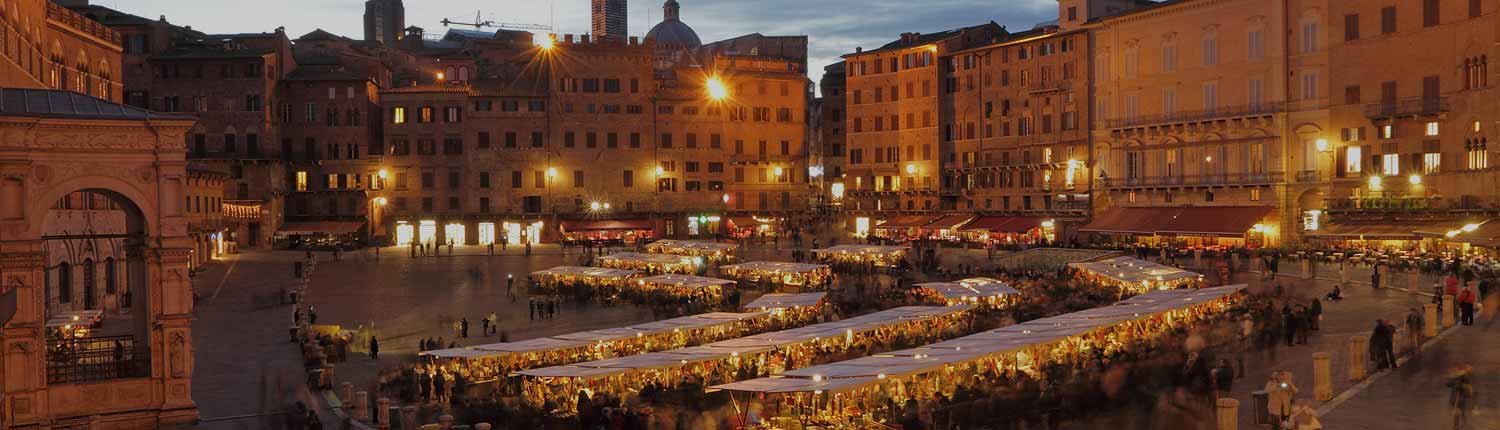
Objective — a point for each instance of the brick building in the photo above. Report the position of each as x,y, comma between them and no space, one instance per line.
831,128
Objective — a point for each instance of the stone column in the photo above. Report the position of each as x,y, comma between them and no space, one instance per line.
409,417
1306,267
1322,377
346,392
362,406
1414,281
383,413
482,426
1229,413
1358,354
1450,307
1430,314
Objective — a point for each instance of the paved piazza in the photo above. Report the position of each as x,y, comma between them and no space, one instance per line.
240,321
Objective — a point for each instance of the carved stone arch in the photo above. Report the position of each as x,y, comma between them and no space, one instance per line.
1255,22
1307,128
1171,139
140,219
1211,136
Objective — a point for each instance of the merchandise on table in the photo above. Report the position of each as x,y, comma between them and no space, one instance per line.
882,256
740,358
1135,276
599,281
805,276
490,361
652,263
853,393
680,288
712,252
790,307
976,291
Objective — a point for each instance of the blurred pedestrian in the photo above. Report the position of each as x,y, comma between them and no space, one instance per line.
1461,396
374,348
1466,301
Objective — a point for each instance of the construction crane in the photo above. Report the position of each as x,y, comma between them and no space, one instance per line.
481,23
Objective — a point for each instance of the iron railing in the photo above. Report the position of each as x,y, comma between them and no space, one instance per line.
1419,106
1223,112
1197,180
88,359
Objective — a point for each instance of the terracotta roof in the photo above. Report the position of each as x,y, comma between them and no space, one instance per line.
428,88
67,104
322,74
1186,220
207,53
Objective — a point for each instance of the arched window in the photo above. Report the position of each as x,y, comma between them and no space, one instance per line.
64,283
463,73
450,73
1310,36
88,283
109,276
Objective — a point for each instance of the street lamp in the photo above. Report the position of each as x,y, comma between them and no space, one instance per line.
726,198
1375,183
594,206
1322,145
1415,179
380,201
911,169
551,172
777,170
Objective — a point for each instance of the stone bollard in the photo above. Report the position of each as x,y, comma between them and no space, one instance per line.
1229,413
1359,351
1307,271
445,421
409,417
1322,377
482,426
1430,314
383,413
1451,308
346,392
362,406
1197,258
1414,279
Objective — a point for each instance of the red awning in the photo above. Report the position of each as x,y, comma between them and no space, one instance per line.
950,222
319,227
743,222
908,221
1003,224
1232,221
604,225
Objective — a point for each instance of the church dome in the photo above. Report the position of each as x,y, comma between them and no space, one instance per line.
672,33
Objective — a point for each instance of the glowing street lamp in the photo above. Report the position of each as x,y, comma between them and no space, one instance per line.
380,201
911,169
1375,183
660,171
726,198
1322,145
717,91
383,173
1469,228
1415,179
777,170
551,172
594,206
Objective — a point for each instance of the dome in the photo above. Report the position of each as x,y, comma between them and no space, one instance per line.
672,33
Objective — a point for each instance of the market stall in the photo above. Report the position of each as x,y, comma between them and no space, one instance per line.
1135,276
903,228
790,308
856,393
852,256
577,280
712,252
749,226
976,291
74,324
491,361
777,273
1003,230
740,358
652,263
680,288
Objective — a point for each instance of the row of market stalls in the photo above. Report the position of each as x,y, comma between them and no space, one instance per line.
984,292
1402,233
1135,276
960,227
854,256
710,252
739,358
856,393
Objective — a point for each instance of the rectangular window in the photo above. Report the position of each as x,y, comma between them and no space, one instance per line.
1256,44
1388,20
577,179
1351,27
1430,13
628,179
1353,159
1432,128
1390,164
484,140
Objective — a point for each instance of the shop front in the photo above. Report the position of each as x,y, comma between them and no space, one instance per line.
903,228
744,226
1004,230
704,225
626,231
1196,227
522,232
946,228
320,235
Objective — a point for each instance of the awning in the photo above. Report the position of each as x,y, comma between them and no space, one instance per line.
1487,235
603,225
319,227
908,221
1440,229
1367,231
950,222
744,222
1003,224
1232,221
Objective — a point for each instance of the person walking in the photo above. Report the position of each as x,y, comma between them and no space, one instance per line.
1414,326
374,348
1466,301
1375,276
531,308
485,326
1381,345
463,328
1289,324
1461,396
1316,313
1223,375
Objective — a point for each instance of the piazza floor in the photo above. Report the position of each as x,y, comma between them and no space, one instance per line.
247,370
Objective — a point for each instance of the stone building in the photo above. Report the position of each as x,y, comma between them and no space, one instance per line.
204,205
831,130
385,21
893,103
1405,156
54,47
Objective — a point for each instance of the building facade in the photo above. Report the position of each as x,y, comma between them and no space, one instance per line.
610,19
385,21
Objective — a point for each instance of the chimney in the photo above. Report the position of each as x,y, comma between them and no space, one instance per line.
583,39
567,38
859,49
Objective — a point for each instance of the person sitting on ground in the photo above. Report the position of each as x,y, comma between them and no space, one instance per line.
1337,293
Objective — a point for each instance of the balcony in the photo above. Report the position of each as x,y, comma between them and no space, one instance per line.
79,360
81,23
1046,87
1400,204
1412,107
1227,112
1228,179
1309,176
